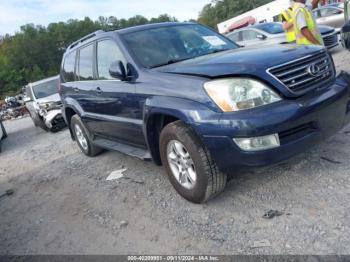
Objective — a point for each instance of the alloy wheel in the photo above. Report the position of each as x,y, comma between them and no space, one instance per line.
181,164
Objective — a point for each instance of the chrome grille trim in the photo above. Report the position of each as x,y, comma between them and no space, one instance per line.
297,75
330,40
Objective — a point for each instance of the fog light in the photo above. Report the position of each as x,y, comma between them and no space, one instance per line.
258,143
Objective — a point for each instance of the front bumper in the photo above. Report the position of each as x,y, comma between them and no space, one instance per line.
52,117
300,123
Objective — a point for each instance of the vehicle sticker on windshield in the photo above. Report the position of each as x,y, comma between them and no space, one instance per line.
213,40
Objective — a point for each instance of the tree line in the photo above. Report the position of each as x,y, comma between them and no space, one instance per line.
35,51
220,10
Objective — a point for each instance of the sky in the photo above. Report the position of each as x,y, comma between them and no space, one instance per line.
14,13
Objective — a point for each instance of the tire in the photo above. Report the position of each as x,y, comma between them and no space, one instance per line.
78,130
209,181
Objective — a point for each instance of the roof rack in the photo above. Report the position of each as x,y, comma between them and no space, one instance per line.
85,38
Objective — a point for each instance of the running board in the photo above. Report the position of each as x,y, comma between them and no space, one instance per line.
140,153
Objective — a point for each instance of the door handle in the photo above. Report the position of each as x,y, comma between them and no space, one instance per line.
76,89
98,90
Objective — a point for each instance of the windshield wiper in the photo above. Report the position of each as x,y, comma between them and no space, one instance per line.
217,51
171,61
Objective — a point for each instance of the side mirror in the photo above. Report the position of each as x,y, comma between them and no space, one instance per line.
27,99
117,70
261,37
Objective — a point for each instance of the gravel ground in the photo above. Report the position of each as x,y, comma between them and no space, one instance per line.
63,204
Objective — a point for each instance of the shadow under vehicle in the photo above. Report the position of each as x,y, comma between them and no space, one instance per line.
44,104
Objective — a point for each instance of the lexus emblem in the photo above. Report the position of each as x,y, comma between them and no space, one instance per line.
314,70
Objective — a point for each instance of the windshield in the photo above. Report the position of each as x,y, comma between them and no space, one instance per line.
271,28
166,45
45,89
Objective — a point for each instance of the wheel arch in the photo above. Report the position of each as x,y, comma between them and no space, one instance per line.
158,113
69,112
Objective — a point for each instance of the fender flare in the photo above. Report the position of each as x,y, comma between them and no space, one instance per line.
188,111
72,104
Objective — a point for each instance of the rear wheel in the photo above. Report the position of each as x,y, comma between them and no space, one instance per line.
189,166
82,137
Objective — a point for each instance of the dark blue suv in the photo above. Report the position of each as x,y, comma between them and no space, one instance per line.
190,99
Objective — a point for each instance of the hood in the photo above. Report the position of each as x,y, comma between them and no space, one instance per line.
325,30
51,98
242,61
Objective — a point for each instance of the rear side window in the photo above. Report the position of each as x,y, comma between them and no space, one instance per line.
107,53
86,61
68,67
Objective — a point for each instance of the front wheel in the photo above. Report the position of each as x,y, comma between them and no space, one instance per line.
189,166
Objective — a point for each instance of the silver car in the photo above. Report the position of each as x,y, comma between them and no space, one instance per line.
330,15
273,33
44,104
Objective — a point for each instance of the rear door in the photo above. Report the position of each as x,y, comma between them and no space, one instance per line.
75,83
116,110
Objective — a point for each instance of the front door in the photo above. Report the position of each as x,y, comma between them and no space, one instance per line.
116,111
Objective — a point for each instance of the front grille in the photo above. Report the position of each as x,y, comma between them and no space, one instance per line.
330,40
305,74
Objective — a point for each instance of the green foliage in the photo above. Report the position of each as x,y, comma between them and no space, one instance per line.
220,10
35,52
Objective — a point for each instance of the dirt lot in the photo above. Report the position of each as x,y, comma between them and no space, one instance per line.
64,205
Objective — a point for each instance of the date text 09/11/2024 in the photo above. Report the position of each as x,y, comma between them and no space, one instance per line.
173,258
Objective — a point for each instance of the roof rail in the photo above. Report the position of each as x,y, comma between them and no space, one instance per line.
85,38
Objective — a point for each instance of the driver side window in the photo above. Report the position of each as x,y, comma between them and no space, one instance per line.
249,35
107,53
329,12
234,37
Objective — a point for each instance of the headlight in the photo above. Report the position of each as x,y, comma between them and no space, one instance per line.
46,105
43,107
234,94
